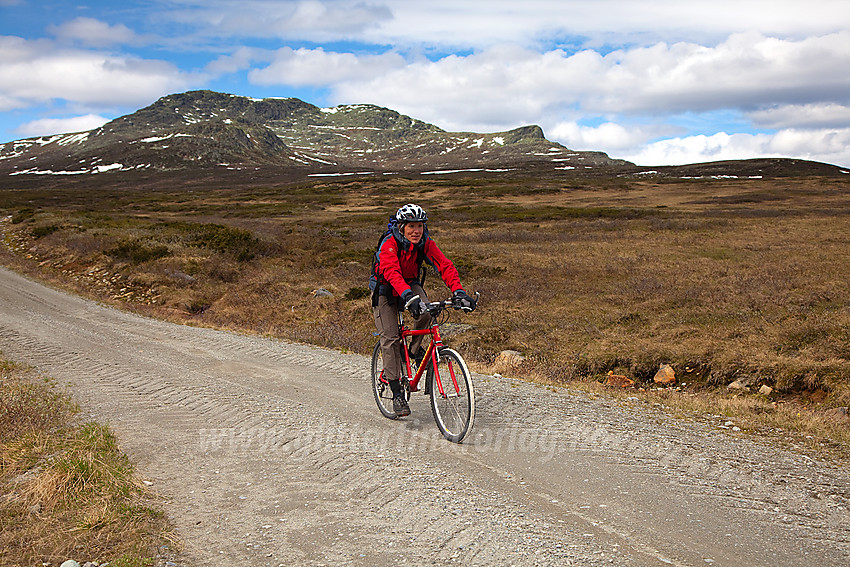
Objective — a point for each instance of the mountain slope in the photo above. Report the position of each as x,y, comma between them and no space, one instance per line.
203,129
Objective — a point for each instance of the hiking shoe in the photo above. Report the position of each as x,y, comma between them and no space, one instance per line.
400,406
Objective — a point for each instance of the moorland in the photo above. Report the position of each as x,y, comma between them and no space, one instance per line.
728,279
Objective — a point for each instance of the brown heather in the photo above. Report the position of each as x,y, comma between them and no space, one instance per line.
724,279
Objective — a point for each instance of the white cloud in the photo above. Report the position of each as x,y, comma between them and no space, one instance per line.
316,67
829,146
38,71
92,32
47,126
745,70
310,20
478,24
481,23
645,70
507,83
240,59
609,136
814,115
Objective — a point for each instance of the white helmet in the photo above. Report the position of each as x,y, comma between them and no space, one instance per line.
411,213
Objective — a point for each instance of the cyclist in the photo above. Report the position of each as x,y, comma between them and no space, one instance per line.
397,284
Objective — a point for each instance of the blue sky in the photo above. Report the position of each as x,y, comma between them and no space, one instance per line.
656,82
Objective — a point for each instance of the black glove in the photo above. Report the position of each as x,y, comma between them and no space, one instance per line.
460,300
414,304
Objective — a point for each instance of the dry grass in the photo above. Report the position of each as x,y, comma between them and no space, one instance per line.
68,490
722,279
784,421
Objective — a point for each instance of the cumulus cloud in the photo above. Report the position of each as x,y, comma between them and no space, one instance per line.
316,67
747,70
608,136
240,59
481,23
814,115
310,20
478,24
658,69
39,71
92,32
47,126
826,145
498,88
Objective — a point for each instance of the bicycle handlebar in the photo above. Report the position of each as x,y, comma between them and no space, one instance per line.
436,307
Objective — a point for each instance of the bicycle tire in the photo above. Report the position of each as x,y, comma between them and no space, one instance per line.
381,388
454,410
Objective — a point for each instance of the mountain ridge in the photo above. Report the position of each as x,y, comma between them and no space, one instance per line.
203,130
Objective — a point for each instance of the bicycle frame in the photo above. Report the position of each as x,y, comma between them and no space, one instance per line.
432,356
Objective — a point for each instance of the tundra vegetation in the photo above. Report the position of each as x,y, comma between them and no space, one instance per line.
68,491
742,280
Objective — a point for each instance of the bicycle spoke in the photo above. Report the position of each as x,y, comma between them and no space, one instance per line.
453,409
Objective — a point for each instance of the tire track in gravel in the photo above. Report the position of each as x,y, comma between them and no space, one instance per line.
273,453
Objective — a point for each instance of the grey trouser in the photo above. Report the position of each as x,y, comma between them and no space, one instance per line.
386,321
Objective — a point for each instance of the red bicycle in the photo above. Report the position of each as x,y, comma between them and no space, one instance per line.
447,379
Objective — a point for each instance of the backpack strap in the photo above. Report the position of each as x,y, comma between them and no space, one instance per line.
378,285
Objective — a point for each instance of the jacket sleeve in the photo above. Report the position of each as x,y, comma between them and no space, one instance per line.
447,270
389,267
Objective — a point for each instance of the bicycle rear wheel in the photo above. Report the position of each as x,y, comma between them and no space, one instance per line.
380,386
454,409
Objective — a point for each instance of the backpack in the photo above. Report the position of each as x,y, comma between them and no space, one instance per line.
377,284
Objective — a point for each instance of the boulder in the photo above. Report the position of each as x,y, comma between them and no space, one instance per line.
508,360
765,390
665,375
322,292
618,381
739,385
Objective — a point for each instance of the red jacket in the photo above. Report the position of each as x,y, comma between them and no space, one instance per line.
400,268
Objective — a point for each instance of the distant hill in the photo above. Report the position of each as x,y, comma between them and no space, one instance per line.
205,130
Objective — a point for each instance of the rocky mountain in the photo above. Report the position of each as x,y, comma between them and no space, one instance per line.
204,129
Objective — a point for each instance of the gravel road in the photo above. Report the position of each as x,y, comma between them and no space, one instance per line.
271,453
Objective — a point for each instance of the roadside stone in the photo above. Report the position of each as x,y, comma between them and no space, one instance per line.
617,381
70,563
508,360
178,275
665,375
739,385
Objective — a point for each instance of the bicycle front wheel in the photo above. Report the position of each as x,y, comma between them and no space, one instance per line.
454,409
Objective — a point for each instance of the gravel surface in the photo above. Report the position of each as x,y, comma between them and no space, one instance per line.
271,453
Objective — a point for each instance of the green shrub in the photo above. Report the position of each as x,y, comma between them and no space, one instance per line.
237,242
357,293
137,252
42,231
22,215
